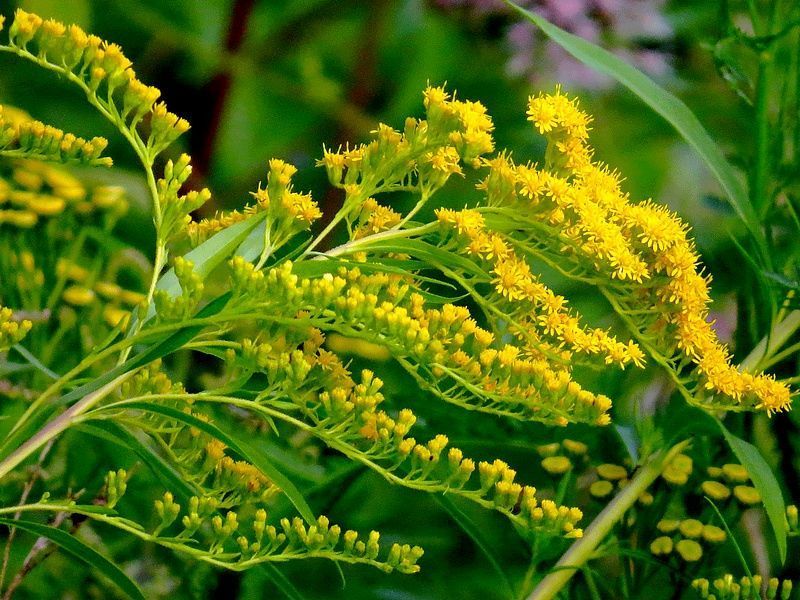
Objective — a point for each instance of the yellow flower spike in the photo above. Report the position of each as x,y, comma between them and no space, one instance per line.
78,295
556,465
612,472
715,472
114,316
575,448
715,490
601,489
735,473
691,528
661,546
47,206
689,550
747,495
547,450
792,517
714,534
668,525
646,499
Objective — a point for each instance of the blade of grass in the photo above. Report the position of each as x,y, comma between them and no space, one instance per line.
83,552
469,527
731,538
282,583
765,482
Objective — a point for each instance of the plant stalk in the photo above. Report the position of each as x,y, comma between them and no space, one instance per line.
58,425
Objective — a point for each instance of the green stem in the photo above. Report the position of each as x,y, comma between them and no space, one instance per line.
59,425
759,196
184,547
581,551
392,234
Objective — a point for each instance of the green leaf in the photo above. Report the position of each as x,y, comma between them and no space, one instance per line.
81,551
469,527
210,254
765,482
429,253
665,104
238,445
281,582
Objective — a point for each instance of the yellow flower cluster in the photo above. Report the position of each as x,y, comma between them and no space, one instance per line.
37,190
102,69
730,475
421,158
11,330
685,537
546,324
21,136
288,212
463,363
375,218
638,253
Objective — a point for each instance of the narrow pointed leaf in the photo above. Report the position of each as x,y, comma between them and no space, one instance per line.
82,552
765,482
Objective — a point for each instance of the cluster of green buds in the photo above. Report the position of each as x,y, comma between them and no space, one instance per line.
116,485
746,588
685,537
12,331
176,308
285,370
198,512
102,70
444,343
351,413
292,538
176,208
149,380
27,138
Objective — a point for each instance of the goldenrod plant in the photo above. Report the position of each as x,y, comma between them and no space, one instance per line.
460,299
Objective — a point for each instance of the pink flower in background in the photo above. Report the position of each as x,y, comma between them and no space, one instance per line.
632,29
